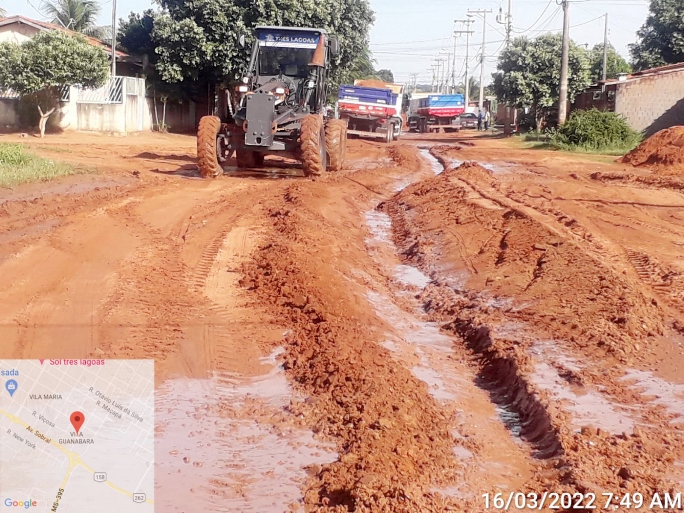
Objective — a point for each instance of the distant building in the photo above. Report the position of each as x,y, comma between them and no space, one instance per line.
649,100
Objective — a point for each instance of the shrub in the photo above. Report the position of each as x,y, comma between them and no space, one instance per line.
594,130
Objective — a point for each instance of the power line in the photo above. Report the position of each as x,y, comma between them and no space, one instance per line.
537,20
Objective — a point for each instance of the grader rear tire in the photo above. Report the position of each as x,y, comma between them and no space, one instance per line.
336,143
207,157
312,145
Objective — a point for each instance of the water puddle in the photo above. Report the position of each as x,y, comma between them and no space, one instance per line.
498,168
411,276
435,164
661,392
587,406
227,444
380,226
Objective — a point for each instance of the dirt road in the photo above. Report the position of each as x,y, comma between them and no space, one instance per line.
448,317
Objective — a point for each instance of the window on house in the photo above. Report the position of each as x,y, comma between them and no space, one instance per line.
597,95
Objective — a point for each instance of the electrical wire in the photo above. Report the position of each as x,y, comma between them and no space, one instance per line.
536,21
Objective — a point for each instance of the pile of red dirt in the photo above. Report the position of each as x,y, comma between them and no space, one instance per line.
664,151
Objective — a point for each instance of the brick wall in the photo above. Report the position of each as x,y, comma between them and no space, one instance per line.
652,102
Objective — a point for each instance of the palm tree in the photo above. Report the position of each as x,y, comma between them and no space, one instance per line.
3,13
77,15
473,87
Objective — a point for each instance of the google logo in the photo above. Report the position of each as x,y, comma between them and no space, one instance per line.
20,504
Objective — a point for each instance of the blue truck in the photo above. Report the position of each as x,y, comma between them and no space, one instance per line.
436,112
371,111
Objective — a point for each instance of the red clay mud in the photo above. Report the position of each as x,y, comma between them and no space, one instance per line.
663,151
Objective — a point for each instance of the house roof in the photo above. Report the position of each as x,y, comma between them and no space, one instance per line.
42,25
668,68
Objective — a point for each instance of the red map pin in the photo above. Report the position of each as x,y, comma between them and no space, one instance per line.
77,419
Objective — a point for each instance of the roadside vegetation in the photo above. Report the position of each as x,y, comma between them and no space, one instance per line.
589,131
17,165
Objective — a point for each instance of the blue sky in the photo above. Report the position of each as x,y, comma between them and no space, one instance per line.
409,34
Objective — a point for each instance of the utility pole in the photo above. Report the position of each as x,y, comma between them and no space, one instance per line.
440,73
563,93
483,12
413,81
605,50
432,84
113,38
453,68
467,32
506,19
509,23
446,72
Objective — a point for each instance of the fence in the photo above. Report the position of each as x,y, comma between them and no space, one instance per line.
119,106
111,92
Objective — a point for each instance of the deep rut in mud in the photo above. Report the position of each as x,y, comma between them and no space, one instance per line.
502,250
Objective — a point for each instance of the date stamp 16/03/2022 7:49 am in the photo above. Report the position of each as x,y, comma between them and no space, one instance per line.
514,501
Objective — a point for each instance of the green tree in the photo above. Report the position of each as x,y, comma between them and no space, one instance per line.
616,63
385,75
529,73
77,15
42,66
660,40
135,34
196,42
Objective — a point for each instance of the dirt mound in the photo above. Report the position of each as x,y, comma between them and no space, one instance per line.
372,83
664,151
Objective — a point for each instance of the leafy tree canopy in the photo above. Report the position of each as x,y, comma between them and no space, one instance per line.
385,75
661,39
529,71
197,41
41,66
616,63
51,59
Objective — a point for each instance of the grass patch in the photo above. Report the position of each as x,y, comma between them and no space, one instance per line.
19,166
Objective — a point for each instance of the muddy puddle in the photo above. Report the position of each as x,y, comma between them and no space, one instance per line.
67,186
226,443
435,164
659,392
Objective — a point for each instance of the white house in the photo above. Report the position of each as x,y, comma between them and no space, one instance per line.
119,106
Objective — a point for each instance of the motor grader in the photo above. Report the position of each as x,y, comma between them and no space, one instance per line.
280,107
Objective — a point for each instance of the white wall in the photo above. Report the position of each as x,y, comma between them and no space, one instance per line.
17,33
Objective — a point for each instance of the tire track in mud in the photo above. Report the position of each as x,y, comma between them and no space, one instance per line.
581,458
666,282
160,309
394,441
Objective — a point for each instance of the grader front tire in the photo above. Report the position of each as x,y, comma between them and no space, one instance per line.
336,143
312,145
207,150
